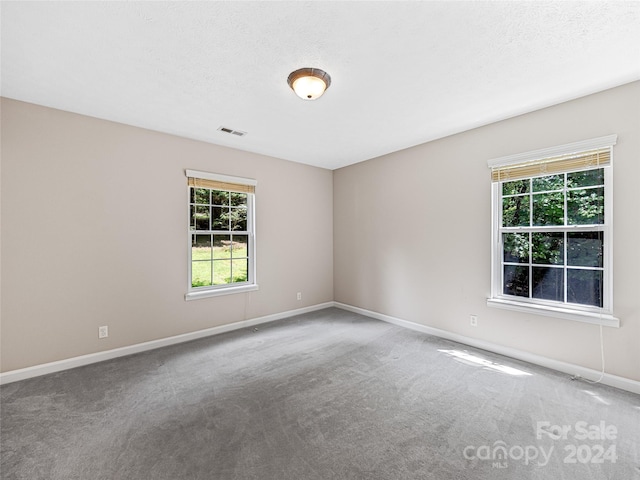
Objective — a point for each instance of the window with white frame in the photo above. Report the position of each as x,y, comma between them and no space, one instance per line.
221,234
552,231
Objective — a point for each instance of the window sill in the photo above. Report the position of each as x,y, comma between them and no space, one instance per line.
196,295
603,319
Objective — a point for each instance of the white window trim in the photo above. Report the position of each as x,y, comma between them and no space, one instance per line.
219,290
599,316
575,147
196,295
604,319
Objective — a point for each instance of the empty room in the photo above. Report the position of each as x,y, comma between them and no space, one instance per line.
320,240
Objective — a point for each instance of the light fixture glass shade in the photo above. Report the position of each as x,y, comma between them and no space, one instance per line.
309,83
309,88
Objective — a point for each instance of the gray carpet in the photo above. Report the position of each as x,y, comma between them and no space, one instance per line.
326,395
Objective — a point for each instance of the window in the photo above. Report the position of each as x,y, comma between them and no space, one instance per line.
221,234
552,232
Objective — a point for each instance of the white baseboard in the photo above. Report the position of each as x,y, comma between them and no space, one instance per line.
52,367
569,368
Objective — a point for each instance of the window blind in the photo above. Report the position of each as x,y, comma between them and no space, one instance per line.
552,165
220,182
581,155
219,185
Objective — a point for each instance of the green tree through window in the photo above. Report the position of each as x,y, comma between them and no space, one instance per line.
552,239
219,237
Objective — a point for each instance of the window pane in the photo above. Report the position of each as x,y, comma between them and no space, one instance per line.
238,199
588,178
202,218
552,182
219,259
548,248
239,246
516,247
200,196
515,211
200,274
515,187
584,287
219,197
240,269
585,207
221,246
585,249
220,218
221,272
201,247
548,283
548,209
238,218
516,281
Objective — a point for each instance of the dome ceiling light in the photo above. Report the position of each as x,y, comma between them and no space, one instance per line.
309,83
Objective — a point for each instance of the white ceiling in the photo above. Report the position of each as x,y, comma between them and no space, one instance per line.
403,73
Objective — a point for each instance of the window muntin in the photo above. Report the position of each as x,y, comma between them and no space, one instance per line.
576,263
551,239
221,235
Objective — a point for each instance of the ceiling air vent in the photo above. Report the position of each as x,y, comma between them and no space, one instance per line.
232,131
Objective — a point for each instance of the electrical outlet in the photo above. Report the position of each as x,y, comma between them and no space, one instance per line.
103,332
299,296
474,320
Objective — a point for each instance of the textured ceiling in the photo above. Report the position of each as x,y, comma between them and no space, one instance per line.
403,73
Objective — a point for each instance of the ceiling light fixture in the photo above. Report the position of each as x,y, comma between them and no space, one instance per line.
309,83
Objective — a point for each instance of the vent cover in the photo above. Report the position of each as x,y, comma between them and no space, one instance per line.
237,133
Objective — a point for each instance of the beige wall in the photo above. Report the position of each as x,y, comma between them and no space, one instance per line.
412,232
94,228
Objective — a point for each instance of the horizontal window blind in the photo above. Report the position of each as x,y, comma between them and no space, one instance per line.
552,165
220,185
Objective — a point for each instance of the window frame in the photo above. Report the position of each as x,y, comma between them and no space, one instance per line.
194,293
583,313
